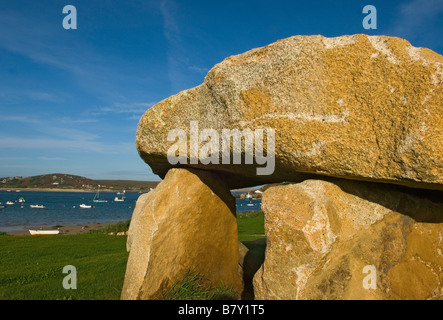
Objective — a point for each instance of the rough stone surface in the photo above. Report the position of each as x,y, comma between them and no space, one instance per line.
321,235
356,107
186,224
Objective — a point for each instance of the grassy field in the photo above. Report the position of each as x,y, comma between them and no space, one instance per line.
250,226
31,267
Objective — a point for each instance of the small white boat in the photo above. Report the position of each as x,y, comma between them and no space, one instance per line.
250,204
116,199
38,231
21,199
10,203
37,206
85,206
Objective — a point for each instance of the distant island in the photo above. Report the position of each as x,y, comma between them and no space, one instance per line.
69,182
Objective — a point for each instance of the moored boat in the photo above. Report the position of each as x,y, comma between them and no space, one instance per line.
37,206
85,206
41,231
97,196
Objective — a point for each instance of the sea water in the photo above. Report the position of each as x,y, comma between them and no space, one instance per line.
63,208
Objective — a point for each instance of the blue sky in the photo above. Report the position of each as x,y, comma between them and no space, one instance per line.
70,100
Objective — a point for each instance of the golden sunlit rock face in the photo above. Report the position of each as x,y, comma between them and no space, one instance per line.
323,238
356,107
187,224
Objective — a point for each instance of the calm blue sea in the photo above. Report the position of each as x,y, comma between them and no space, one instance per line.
62,208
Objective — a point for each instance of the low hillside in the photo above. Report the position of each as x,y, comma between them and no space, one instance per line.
69,181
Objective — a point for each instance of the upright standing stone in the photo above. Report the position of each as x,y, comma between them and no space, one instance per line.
187,224
350,240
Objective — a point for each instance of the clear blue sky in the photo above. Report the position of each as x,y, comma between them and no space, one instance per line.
70,100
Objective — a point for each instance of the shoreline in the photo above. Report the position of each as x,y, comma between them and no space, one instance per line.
248,189
68,190
64,230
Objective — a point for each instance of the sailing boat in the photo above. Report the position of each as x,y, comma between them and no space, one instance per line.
97,196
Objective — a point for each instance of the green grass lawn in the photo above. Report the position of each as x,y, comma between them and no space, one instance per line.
250,226
31,267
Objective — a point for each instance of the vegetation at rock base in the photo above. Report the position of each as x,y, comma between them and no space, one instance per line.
193,287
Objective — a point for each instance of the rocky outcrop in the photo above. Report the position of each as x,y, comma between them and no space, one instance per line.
356,107
187,224
350,240
357,120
